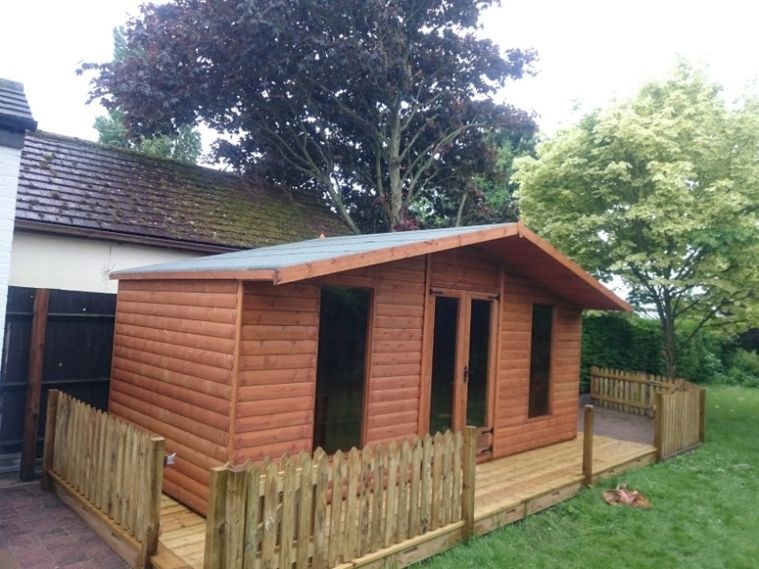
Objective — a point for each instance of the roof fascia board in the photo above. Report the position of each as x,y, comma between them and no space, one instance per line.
544,245
255,275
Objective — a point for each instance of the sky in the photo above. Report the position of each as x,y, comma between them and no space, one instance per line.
590,51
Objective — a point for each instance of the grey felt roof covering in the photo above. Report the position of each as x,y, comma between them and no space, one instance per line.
67,185
14,108
303,252
522,252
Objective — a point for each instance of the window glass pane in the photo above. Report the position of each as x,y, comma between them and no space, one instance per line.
479,351
443,363
343,325
540,359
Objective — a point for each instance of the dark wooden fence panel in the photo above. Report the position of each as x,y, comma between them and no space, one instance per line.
77,357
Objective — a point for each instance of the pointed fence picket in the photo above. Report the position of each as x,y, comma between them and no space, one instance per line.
320,511
677,405
112,469
632,392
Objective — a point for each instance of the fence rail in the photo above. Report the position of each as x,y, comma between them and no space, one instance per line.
311,511
678,406
109,471
628,391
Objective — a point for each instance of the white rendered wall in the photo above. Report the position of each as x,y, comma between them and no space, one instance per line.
73,263
9,167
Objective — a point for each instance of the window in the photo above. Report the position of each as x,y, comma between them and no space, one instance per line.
341,367
540,360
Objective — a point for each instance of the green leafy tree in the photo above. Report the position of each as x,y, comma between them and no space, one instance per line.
662,191
377,105
185,145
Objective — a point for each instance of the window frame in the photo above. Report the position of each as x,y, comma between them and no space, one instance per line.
368,353
551,361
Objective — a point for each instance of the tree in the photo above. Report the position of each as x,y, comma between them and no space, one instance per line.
374,104
662,191
184,146
489,195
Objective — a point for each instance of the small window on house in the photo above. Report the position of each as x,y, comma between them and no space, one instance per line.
540,360
341,367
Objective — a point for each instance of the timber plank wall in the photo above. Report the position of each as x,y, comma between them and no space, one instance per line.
173,364
514,431
226,371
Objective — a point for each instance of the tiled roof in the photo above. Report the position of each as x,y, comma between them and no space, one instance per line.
67,184
14,110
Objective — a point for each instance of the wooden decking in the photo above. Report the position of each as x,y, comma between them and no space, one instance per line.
514,487
506,490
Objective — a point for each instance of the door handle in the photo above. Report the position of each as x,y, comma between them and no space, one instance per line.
466,374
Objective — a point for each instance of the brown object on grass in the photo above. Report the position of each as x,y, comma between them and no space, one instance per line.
623,496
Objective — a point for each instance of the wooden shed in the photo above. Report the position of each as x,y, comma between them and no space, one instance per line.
347,341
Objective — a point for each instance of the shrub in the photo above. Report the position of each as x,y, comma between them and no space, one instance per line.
744,368
629,342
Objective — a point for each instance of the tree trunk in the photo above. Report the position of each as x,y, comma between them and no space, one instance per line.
669,349
460,212
394,174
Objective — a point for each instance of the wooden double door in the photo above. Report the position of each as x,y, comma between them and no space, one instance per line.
465,328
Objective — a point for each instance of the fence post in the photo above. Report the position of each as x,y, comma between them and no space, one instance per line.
658,423
216,518
49,450
34,384
155,460
469,464
587,446
702,417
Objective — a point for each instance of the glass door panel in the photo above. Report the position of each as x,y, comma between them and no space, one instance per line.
443,363
476,375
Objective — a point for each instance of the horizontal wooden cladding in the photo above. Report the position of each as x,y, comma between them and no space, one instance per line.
466,269
514,431
396,354
202,286
170,363
179,392
172,338
277,370
176,414
172,373
158,374
185,353
194,327
199,313
207,300
279,332
513,440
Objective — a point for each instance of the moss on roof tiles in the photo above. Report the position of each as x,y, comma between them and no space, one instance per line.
161,198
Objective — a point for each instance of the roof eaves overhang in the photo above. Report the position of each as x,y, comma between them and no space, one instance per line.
616,303
294,273
594,294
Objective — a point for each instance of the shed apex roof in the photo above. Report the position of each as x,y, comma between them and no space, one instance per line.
15,113
521,249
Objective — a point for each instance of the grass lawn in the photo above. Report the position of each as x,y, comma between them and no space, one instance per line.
705,510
